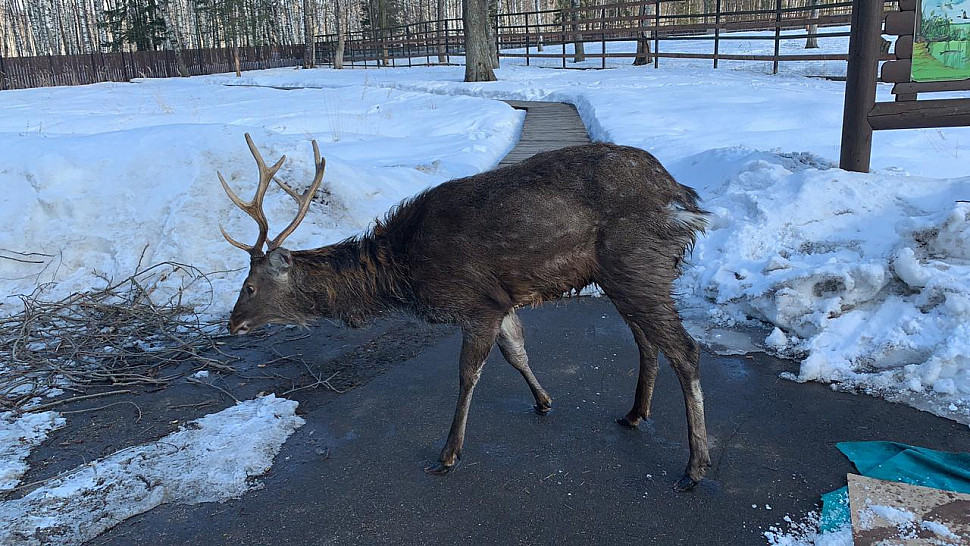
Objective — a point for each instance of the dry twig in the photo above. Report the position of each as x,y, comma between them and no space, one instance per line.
123,335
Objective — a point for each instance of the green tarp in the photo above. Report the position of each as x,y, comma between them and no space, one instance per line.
892,461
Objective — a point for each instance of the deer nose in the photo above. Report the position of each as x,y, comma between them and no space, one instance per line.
239,329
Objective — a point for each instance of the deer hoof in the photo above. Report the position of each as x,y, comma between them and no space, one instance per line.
627,423
439,468
685,484
542,409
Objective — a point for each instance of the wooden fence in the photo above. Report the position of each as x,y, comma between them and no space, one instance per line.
667,22
52,70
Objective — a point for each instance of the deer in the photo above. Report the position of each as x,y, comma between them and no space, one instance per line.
471,251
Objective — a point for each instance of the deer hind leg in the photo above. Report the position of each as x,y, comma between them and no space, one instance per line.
511,341
652,312
645,381
475,346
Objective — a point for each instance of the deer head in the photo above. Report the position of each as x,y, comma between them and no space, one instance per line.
266,295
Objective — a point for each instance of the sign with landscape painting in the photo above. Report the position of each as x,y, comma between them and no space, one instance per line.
941,49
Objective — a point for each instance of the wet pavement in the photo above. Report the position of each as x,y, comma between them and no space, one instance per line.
353,474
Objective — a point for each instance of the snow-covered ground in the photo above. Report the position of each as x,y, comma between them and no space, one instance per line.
865,277
211,459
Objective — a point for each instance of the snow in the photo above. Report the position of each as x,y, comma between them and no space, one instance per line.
805,532
18,435
211,459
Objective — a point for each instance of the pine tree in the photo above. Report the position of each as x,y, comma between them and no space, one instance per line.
135,22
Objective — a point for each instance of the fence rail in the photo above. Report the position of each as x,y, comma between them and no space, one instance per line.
523,34
665,25
52,70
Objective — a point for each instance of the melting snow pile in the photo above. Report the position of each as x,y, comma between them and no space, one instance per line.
865,276
211,459
18,435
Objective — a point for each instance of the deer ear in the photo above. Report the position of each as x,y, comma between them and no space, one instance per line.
280,261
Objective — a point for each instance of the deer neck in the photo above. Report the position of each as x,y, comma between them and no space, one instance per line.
354,281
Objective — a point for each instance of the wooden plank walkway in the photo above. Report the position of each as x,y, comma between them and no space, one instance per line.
548,126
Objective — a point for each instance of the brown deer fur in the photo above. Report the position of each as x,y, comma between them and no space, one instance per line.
471,250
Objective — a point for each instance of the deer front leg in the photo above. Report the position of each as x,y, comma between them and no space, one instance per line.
475,347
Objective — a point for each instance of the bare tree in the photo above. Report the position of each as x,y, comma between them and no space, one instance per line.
478,61
340,6
579,53
491,31
439,31
173,41
644,56
538,26
812,41
309,33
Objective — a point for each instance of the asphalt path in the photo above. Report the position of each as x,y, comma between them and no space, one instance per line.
354,473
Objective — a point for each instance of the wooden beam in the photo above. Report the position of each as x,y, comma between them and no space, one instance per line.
860,84
920,114
897,71
904,47
931,87
901,23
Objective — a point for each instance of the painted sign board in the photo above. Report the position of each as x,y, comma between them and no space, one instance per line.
941,49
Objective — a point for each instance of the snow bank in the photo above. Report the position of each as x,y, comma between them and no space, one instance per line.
866,276
19,435
211,459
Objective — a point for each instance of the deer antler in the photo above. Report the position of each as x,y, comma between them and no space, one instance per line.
254,208
302,200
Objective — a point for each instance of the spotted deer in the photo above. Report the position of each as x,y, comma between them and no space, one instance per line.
471,251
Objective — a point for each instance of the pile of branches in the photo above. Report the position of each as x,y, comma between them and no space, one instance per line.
106,341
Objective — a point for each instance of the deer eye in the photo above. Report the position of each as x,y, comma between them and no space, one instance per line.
250,289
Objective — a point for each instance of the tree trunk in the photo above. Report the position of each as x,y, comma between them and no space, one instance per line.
309,32
439,31
538,27
341,20
812,41
579,53
644,56
478,62
173,41
235,61
491,31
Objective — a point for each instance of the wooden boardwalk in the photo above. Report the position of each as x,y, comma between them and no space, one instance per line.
548,126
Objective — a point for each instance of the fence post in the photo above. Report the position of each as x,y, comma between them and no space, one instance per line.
563,37
774,69
407,43
656,36
603,38
527,38
860,85
3,74
447,46
717,30
498,39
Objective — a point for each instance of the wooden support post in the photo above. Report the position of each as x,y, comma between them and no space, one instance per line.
527,38
717,30
563,17
656,35
603,37
774,68
860,85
